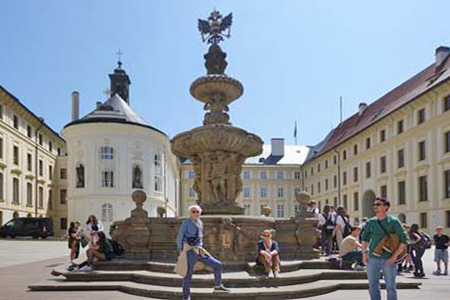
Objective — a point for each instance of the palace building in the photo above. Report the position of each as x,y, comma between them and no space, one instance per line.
270,179
398,147
33,173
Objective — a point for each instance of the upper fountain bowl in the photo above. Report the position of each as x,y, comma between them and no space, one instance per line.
205,87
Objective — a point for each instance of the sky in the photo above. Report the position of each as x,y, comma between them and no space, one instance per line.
295,58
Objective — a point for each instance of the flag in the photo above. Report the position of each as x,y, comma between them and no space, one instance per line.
295,130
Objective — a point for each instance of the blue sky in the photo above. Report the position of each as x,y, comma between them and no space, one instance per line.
294,58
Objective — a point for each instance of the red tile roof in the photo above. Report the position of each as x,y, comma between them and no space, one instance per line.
387,104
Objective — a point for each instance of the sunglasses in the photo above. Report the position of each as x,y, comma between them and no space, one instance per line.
377,204
195,212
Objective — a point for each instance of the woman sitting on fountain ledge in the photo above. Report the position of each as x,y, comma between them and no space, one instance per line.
190,242
268,254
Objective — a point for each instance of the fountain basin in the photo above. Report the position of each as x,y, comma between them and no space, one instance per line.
205,87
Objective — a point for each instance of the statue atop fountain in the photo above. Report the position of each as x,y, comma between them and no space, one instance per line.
217,149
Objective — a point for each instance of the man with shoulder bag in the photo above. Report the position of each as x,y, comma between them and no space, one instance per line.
384,245
190,245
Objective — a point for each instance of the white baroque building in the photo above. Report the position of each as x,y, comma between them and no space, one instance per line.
111,153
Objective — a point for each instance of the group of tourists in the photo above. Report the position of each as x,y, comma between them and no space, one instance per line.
90,235
381,245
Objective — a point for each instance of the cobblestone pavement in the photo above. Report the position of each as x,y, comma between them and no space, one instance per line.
23,262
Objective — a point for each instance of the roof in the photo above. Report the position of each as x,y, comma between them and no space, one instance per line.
113,110
408,91
293,155
31,113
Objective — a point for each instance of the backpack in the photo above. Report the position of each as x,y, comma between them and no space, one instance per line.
117,248
347,228
425,241
329,225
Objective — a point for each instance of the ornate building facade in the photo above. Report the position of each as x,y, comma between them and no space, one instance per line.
398,147
270,179
33,172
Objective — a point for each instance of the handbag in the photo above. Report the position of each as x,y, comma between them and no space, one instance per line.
402,256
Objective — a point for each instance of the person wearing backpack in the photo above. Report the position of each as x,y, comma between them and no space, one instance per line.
343,227
327,225
380,229
418,245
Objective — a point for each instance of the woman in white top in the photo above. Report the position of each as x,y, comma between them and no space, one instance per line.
341,222
93,225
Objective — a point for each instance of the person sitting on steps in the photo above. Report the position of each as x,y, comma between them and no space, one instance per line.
268,254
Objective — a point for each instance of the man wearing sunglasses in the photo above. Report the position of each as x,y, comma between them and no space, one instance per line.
190,245
375,231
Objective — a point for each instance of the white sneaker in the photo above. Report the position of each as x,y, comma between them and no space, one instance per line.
86,269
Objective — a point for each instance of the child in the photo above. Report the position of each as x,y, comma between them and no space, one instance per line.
442,242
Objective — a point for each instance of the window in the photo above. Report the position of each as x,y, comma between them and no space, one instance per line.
401,158
297,175
106,152
368,169
15,190
447,103
29,131
246,175
107,212
158,183
158,172
1,147
63,173
368,143
296,208
383,191
16,122
345,201
41,139
63,223
280,175
41,168
335,202
447,184
41,197
335,159
191,192
280,210
1,188
263,192
344,178
29,162
263,175
422,150
312,189
191,174
29,194
108,179
50,199
447,142
59,151
423,220
312,171
335,181
401,186
382,136
400,128
383,164
356,201
326,184
318,168
421,116
447,219
246,192
63,196
50,146
247,208
1,114
423,189
261,207
355,174
16,155
280,192
355,149
50,172
326,164
344,154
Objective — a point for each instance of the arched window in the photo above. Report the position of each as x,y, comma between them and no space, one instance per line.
80,176
158,172
107,212
29,215
137,177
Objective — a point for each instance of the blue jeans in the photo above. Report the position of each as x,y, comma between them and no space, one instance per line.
374,267
354,256
192,258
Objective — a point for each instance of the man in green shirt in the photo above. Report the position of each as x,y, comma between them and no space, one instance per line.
374,231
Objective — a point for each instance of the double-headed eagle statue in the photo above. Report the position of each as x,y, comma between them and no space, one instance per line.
213,28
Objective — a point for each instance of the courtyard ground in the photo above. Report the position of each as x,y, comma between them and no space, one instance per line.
23,262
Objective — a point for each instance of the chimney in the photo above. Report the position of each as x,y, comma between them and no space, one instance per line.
441,54
75,105
277,146
362,108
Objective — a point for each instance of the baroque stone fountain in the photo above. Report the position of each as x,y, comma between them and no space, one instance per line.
217,151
